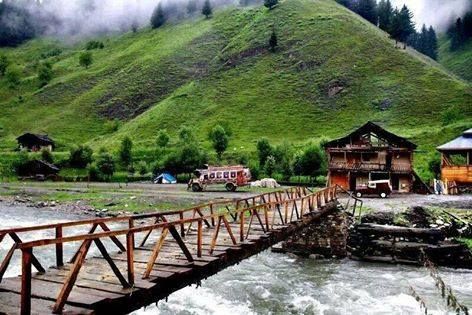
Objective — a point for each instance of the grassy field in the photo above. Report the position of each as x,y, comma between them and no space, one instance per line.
460,61
200,72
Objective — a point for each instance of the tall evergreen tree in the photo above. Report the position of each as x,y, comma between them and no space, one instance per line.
270,3
158,17
368,10
207,10
432,43
402,26
191,6
385,13
273,41
457,35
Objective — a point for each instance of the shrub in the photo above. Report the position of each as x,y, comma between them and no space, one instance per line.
264,149
80,156
20,162
112,125
45,74
207,10
125,153
85,59
451,115
270,3
46,156
269,167
51,53
142,168
13,78
93,173
105,164
158,17
162,139
4,62
94,44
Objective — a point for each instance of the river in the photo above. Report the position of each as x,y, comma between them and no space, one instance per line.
272,283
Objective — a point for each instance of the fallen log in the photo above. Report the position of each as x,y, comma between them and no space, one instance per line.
399,231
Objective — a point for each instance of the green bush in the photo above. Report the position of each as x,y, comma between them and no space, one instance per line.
45,74
142,168
46,156
80,156
85,59
105,164
94,44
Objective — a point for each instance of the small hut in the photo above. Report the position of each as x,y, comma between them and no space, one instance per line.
38,168
456,162
35,142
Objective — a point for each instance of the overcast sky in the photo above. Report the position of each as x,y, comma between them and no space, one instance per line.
438,13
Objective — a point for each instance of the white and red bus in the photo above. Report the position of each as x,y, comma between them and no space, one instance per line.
231,176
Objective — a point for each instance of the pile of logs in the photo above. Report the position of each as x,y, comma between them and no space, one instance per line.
395,244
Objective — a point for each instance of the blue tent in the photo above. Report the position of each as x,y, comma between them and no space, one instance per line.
165,178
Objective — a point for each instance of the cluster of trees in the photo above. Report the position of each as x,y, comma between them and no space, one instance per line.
163,12
461,31
284,160
16,24
425,41
397,22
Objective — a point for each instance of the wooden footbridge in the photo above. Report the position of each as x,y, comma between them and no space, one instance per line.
156,253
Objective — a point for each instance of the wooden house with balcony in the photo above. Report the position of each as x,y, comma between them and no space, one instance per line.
372,153
456,161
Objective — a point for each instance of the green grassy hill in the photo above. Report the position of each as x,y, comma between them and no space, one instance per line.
460,61
332,71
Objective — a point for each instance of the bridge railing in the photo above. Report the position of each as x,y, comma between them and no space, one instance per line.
237,218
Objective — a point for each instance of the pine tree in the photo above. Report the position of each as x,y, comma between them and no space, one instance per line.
402,26
273,41
385,13
432,43
270,3
423,45
158,17
457,36
207,10
191,7
368,10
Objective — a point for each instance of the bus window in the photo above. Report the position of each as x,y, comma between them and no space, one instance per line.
219,175
233,174
212,175
226,174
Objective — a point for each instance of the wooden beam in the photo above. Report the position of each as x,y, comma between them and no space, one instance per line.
34,260
199,238
71,278
6,261
92,229
113,267
59,248
155,252
230,232
25,301
181,243
113,238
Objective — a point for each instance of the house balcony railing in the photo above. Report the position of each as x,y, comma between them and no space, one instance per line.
369,167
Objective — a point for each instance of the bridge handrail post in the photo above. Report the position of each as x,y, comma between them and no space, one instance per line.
241,225
199,237
130,253
26,261
59,248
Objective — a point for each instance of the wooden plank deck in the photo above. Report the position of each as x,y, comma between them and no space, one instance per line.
94,286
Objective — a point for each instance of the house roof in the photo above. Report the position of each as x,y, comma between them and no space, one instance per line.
43,139
463,142
374,128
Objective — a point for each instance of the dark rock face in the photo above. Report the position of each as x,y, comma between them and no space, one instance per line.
325,238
